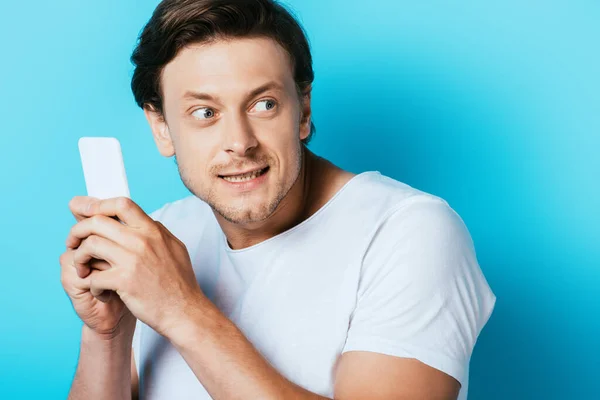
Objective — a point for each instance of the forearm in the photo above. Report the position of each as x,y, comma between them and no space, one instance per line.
226,363
103,370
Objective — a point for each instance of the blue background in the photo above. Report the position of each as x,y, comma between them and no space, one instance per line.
494,107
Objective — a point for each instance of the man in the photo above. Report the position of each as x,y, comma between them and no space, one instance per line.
282,276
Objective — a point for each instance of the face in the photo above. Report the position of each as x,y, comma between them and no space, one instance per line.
234,121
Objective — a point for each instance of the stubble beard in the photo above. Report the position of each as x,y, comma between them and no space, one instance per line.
244,214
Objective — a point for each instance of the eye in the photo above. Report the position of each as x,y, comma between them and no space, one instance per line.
269,105
204,113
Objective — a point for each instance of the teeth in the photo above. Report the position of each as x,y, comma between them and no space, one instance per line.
243,178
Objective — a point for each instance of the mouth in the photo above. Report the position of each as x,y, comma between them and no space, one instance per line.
245,177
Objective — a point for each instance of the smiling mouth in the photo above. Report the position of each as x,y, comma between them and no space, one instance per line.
245,177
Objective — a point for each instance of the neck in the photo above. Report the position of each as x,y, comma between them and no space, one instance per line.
292,210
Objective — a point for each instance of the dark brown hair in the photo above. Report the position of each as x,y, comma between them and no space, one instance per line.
179,23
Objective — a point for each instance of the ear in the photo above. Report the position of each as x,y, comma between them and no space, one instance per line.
306,113
160,131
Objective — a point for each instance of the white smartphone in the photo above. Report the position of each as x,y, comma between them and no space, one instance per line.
103,167
104,172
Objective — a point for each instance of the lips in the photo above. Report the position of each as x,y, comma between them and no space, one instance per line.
244,176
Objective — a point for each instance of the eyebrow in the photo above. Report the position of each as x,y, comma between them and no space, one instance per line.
192,95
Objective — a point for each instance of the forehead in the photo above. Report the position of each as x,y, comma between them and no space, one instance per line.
227,66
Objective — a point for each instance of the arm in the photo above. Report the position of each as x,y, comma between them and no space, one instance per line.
103,370
229,367
369,375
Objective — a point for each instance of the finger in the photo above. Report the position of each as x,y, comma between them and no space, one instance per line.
123,208
85,285
78,203
84,270
99,265
99,225
67,271
68,275
68,267
99,248
104,280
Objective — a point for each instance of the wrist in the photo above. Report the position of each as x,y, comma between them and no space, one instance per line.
199,320
120,337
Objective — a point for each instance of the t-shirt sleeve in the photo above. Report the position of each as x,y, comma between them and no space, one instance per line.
421,293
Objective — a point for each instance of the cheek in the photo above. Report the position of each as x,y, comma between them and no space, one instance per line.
283,138
193,159
283,143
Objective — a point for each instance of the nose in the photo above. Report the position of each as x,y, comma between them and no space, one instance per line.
239,138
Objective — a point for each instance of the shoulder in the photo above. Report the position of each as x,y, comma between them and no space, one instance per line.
427,233
416,233
373,190
395,205
421,251
426,217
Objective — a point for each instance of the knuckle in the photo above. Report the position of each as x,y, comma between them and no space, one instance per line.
180,243
141,244
74,229
96,220
156,229
65,276
123,203
66,258
77,254
91,241
184,247
63,259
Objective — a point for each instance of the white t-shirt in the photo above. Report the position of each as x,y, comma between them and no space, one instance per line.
381,267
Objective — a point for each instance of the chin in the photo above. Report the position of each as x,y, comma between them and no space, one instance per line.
247,213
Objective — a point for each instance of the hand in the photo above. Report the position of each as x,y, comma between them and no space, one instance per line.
103,312
149,268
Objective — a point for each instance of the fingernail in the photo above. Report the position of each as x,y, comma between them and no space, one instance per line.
92,201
